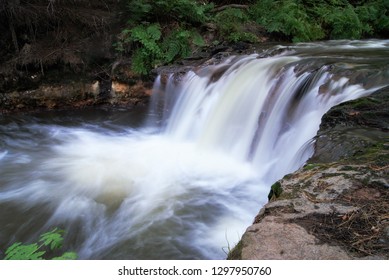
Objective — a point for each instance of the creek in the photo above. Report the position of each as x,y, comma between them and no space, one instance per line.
184,178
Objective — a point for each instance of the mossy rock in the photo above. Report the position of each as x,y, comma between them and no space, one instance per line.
275,191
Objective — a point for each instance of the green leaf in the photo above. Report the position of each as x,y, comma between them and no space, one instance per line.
53,239
18,251
67,256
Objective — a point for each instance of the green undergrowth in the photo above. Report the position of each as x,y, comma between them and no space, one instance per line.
48,247
160,32
154,33
307,20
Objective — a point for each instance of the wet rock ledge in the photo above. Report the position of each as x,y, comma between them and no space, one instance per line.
337,205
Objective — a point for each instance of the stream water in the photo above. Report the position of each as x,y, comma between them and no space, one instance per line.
183,179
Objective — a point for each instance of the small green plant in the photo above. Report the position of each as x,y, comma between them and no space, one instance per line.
148,52
152,48
52,240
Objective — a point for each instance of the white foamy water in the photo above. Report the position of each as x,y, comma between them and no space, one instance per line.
187,183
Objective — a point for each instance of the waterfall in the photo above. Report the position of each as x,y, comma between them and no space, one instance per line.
187,183
260,111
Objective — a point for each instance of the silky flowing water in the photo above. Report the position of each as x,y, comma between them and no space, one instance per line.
185,178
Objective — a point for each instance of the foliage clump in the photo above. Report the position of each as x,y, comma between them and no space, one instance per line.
49,243
287,17
51,33
308,20
149,43
230,24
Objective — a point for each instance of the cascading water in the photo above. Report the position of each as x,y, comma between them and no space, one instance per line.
187,183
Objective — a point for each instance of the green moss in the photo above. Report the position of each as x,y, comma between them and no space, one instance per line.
310,166
275,191
376,155
363,103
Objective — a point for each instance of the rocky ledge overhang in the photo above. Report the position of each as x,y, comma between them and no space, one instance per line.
337,205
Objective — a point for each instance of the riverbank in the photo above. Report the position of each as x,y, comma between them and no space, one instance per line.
336,206
37,93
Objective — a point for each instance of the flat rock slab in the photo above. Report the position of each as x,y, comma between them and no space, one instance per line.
288,241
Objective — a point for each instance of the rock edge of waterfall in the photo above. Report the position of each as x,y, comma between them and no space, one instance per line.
337,205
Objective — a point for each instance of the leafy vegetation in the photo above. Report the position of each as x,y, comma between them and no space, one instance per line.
52,241
151,45
307,20
156,32
178,24
287,17
230,24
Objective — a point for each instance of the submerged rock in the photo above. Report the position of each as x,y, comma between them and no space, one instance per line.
337,205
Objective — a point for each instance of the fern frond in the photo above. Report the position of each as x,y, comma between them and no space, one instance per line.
148,36
140,62
52,239
19,251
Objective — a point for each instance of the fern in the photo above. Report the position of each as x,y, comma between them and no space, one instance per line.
178,44
288,17
52,240
148,37
148,44
19,251
148,51
374,16
341,21
141,62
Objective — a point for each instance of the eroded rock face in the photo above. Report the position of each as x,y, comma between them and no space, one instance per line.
337,205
